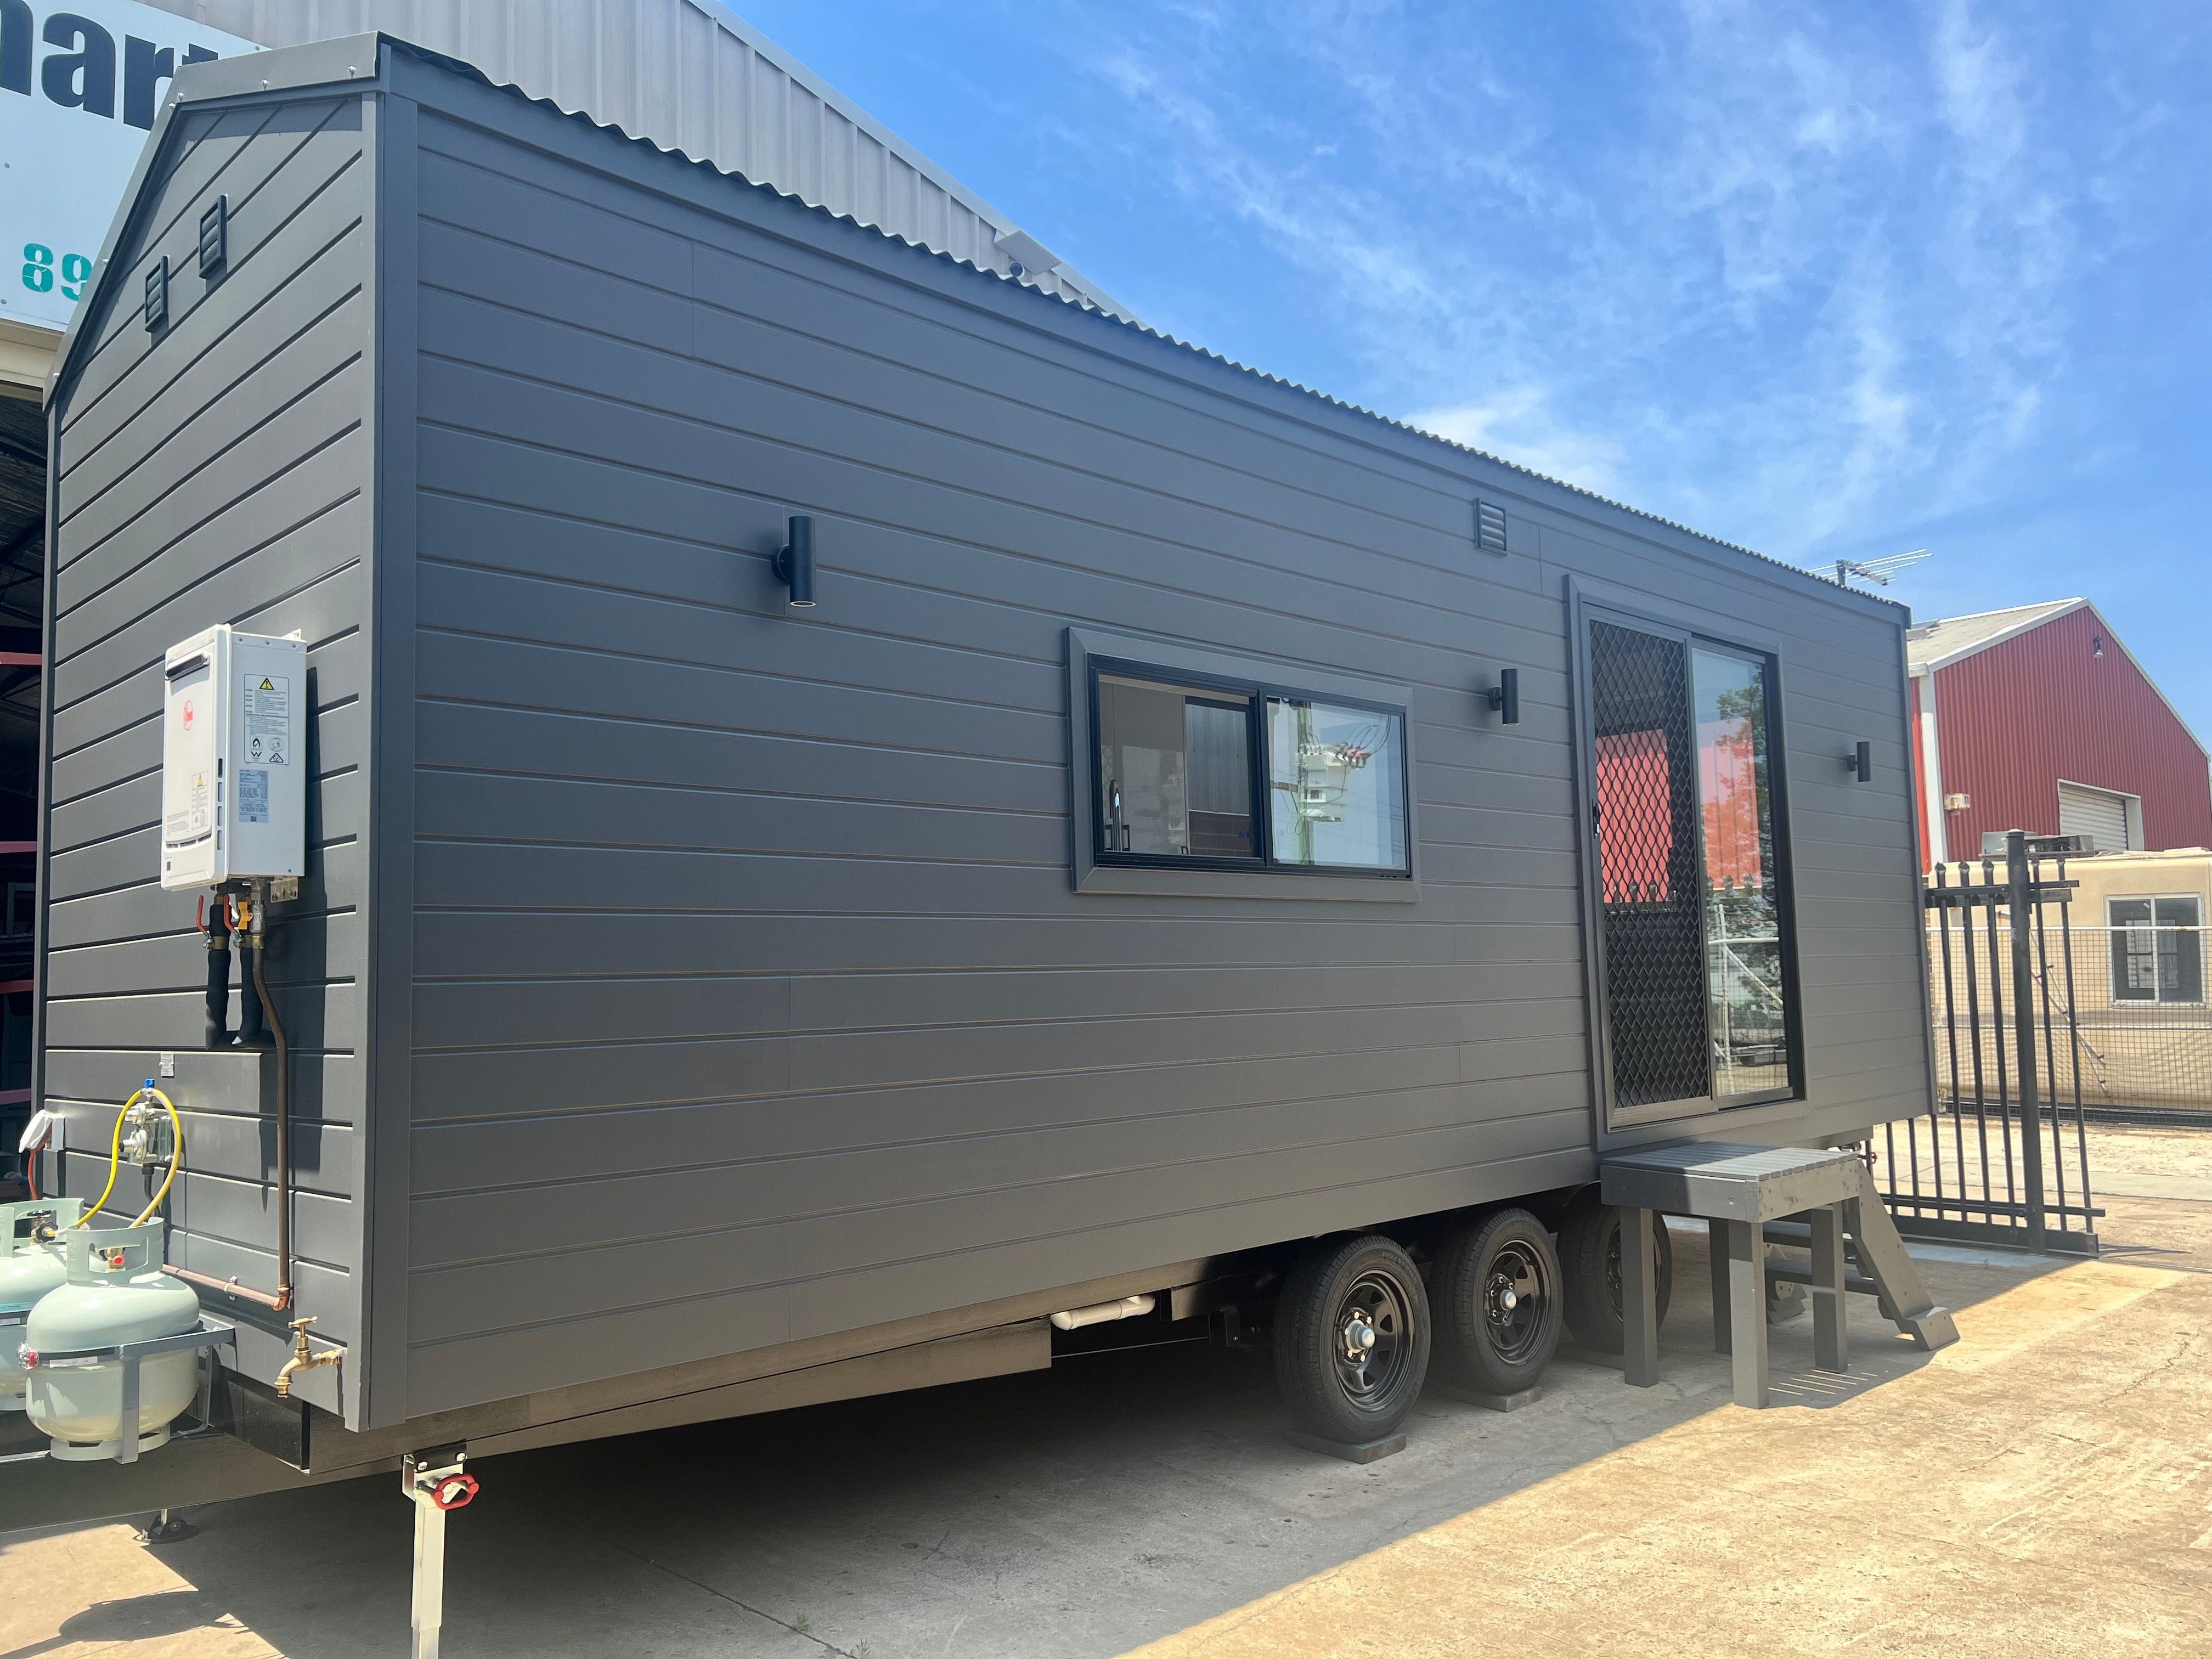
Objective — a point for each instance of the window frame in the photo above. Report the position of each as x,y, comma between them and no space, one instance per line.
1094,869
2157,999
1586,606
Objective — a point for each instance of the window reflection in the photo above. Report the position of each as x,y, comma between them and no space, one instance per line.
1745,989
1337,776
1175,770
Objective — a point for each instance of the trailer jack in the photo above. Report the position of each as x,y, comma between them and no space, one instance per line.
435,1480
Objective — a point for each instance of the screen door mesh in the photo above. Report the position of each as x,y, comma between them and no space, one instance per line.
1648,832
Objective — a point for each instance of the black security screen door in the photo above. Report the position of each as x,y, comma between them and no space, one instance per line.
1651,885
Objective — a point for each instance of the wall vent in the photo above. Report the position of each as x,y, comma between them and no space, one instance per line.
215,237
1490,526
157,295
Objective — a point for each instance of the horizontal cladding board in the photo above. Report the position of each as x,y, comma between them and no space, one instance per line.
494,1013
303,947
613,450
304,523
194,492
1037,372
227,1146
637,1338
325,1088
314,190
1729,569
448,1302
336,660
602,683
452,1158
249,381
533,741
809,397
231,149
450,1085
539,592
507,945
235,1211
315,1015
87,783
729,1213
145,911
336,813
510,876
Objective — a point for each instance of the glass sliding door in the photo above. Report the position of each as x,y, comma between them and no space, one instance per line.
1747,989
1693,895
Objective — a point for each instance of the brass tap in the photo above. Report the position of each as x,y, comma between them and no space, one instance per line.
302,1360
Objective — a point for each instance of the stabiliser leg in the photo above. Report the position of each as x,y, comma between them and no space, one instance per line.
435,1480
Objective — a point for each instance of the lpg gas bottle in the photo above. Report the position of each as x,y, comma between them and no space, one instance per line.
115,1293
31,1264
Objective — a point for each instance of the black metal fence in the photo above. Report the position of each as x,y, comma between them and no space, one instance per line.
2001,1156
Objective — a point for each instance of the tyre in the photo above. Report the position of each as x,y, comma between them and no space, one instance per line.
1352,1339
1590,1259
1498,1304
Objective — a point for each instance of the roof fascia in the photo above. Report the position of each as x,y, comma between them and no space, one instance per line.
2066,607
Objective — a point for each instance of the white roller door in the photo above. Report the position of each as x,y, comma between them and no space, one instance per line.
2097,814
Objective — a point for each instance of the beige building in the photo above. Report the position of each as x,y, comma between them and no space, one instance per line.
2136,923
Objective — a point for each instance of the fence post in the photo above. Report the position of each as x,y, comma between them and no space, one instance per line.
2018,881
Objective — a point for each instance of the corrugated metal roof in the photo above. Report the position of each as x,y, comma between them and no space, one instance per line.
692,76
1945,641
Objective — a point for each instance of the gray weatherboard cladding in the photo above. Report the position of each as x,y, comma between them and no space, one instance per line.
221,469
735,991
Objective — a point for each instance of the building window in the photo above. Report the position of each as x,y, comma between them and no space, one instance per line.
2158,948
1200,773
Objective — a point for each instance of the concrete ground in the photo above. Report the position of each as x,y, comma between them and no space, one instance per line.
2043,1487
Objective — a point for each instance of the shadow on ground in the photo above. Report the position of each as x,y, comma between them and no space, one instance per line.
1084,1511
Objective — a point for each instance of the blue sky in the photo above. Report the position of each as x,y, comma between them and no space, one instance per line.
1831,282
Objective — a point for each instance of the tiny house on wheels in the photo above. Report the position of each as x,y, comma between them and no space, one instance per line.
698,809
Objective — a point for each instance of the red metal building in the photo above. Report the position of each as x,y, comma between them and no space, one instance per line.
2037,718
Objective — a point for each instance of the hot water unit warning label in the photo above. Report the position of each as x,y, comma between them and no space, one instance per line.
268,717
253,794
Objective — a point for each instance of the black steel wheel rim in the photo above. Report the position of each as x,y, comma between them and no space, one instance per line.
1373,1332
1516,1299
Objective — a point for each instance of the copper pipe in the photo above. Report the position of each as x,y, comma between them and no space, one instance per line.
228,1287
283,1299
283,1111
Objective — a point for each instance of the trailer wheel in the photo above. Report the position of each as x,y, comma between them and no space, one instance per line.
1352,1339
1589,1254
1498,1304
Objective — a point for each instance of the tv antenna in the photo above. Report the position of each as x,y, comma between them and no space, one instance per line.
1877,571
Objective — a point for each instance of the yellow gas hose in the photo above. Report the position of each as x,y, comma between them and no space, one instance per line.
115,1157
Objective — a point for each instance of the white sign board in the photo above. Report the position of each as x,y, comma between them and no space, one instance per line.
80,84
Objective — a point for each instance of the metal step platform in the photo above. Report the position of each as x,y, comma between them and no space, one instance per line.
1740,1192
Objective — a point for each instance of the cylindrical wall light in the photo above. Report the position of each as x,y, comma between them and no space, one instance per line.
1505,697
1860,761
795,562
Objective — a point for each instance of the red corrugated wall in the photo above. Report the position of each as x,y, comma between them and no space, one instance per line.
2013,719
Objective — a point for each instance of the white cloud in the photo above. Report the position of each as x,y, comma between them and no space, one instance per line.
1799,277
1520,426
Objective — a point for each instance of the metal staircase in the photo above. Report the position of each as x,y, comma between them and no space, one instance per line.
1750,1197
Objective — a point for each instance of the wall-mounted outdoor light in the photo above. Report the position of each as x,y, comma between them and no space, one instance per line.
1505,697
795,562
1860,762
